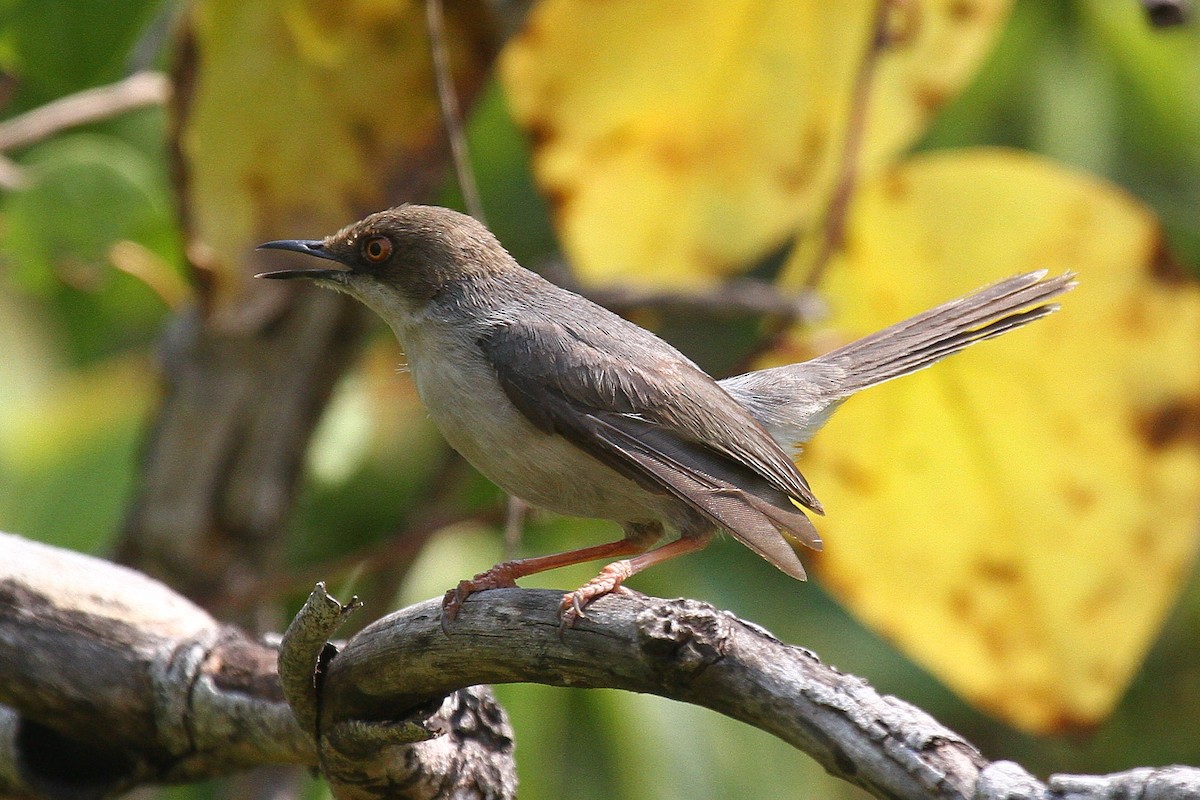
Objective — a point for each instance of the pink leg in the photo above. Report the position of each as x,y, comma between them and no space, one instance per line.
615,574
506,574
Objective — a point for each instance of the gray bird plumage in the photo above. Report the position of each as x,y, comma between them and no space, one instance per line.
573,408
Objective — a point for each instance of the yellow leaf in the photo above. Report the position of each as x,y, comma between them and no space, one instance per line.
299,116
680,142
1020,517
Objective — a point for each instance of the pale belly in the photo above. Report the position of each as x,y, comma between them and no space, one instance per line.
480,422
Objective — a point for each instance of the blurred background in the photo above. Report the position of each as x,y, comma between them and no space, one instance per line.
125,251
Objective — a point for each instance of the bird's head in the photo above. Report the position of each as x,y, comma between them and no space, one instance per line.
397,261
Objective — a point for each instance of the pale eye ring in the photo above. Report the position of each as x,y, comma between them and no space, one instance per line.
376,249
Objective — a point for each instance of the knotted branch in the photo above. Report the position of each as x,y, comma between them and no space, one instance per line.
112,680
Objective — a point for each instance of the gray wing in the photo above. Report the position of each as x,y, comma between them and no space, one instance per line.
630,400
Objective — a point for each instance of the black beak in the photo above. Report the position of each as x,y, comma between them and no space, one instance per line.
310,247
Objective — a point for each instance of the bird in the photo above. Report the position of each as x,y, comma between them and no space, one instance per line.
577,410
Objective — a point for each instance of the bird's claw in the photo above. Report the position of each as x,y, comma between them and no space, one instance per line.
497,577
451,602
609,581
570,609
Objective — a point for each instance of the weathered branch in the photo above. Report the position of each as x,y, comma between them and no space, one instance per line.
832,233
452,744
112,680
735,298
119,681
680,649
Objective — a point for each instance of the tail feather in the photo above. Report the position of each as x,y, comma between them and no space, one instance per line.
792,402
922,340
862,375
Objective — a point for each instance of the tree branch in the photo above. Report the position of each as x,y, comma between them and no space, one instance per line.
680,649
90,105
435,24
139,90
832,233
118,681
113,680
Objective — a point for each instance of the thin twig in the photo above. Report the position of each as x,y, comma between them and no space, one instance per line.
516,509
393,553
744,297
738,297
451,113
91,105
833,229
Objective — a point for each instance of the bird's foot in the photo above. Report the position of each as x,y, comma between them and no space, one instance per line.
498,577
609,580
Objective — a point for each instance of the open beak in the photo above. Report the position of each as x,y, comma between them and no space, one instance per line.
310,247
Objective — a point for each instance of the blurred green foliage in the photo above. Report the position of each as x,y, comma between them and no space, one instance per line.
1086,82
55,47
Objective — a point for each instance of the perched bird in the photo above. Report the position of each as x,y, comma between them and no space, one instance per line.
574,409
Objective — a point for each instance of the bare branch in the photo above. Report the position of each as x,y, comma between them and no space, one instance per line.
1146,783
455,744
833,227
451,114
303,649
118,680
736,298
680,649
112,680
689,651
392,555
91,105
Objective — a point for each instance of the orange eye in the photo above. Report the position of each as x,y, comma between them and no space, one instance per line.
377,249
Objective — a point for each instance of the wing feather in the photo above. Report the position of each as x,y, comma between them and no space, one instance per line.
648,413
763,520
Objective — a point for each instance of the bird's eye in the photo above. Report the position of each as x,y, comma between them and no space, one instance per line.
376,249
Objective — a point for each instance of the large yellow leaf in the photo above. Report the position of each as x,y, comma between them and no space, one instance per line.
680,141
299,116
1020,517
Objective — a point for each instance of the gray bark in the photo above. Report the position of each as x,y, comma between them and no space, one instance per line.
109,680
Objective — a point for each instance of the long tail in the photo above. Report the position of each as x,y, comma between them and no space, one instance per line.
794,401
920,341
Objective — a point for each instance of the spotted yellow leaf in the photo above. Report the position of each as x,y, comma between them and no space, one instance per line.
1020,517
295,117
681,141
